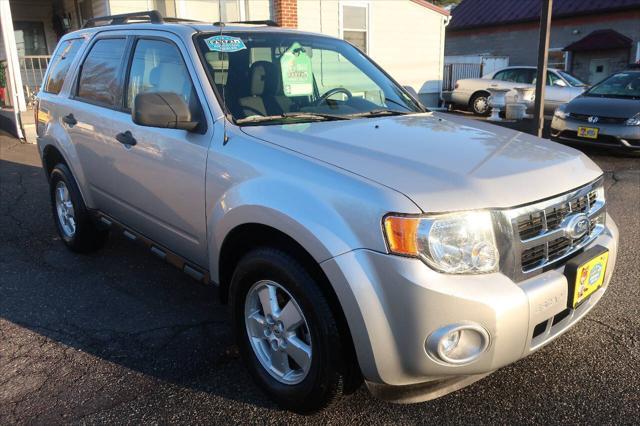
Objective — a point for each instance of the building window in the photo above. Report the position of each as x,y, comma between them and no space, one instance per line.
30,39
165,7
557,59
232,10
354,25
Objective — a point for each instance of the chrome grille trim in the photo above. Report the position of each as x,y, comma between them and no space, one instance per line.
551,244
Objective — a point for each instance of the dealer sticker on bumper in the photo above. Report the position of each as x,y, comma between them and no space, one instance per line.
589,278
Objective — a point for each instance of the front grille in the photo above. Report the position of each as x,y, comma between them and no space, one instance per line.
601,120
539,229
533,224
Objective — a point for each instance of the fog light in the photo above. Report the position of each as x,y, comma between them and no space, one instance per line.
449,342
457,344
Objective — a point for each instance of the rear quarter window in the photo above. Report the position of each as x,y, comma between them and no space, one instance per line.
100,74
60,63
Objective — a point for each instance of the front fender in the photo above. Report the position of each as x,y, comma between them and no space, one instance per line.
328,211
318,226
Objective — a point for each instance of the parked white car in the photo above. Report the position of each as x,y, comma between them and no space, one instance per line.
473,92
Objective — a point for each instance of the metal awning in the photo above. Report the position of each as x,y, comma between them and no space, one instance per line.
600,40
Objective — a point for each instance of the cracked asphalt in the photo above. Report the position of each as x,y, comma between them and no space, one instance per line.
120,337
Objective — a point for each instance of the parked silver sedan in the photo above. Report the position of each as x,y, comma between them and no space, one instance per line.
606,115
472,93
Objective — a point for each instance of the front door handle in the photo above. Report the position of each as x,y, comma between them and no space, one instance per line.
126,138
70,120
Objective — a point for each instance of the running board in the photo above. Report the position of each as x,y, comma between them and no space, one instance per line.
158,250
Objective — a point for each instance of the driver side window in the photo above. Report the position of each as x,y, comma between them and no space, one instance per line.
157,66
554,80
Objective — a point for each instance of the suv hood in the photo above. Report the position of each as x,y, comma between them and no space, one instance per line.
606,107
441,162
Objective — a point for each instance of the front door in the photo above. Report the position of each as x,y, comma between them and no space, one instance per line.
155,186
162,176
598,70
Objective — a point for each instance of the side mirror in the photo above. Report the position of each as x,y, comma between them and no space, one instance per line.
162,109
560,83
411,91
413,94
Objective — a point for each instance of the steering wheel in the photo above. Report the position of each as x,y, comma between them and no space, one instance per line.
332,92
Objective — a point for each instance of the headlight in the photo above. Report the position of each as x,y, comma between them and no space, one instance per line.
560,112
634,121
459,243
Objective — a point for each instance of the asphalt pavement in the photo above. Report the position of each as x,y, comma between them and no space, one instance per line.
121,337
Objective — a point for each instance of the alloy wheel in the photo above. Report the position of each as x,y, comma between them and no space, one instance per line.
278,332
65,210
481,105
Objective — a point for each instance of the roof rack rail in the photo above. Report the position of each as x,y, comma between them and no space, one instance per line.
178,20
267,22
152,16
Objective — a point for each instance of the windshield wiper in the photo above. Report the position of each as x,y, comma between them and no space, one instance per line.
302,115
379,113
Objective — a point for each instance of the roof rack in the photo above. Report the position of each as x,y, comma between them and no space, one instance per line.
152,16
267,22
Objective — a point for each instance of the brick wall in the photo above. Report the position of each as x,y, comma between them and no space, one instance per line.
286,13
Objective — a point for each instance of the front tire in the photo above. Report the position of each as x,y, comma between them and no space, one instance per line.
286,332
73,221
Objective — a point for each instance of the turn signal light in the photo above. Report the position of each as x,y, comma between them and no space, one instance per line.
402,234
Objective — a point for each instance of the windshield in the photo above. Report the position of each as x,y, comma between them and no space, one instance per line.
571,79
620,85
276,77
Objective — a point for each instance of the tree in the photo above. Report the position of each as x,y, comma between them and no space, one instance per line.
443,3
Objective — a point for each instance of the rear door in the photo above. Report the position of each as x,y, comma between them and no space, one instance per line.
91,112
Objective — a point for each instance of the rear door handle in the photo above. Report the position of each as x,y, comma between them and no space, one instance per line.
70,120
126,138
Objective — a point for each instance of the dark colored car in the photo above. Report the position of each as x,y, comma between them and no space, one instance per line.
607,115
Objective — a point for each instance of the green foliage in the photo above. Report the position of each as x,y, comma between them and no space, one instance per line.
442,3
3,78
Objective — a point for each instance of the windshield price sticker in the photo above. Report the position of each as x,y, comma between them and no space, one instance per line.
225,44
297,74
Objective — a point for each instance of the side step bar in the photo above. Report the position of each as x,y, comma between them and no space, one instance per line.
159,251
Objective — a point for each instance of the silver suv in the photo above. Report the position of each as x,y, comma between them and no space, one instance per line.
355,235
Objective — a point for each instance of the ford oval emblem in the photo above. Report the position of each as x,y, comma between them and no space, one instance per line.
576,225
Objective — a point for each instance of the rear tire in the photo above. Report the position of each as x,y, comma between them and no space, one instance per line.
312,381
75,225
479,104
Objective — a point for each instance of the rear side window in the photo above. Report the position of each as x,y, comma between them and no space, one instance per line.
100,74
60,64
503,75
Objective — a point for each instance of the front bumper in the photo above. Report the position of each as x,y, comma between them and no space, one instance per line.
393,304
609,135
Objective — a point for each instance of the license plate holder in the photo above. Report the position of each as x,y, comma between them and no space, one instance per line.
585,274
588,132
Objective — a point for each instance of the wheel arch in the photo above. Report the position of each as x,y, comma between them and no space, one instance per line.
477,93
248,236
474,96
51,156
53,153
